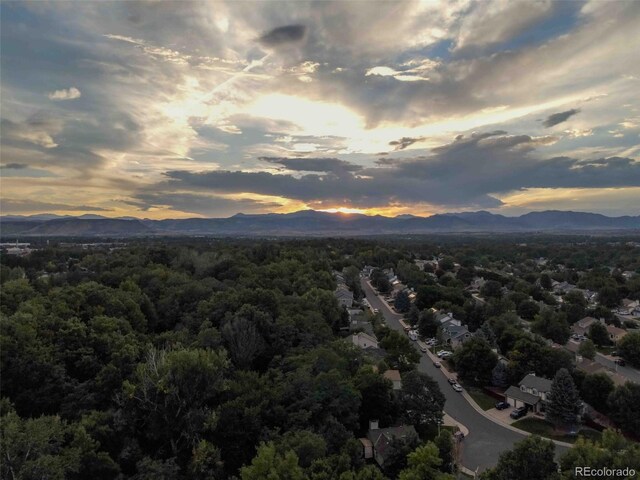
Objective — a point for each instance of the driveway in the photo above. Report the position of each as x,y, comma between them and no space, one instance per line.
486,439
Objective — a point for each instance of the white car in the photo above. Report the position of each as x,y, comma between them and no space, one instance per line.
456,387
444,354
375,310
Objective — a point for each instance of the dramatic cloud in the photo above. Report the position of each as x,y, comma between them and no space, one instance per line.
65,94
298,116
466,173
332,165
283,35
14,166
560,117
198,204
30,206
404,142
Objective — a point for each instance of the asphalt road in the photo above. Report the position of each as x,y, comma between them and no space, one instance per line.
627,372
486,439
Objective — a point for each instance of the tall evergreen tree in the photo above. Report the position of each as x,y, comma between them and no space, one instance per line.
562,407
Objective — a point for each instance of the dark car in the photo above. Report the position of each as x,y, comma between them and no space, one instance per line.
518,412
502,405
620,362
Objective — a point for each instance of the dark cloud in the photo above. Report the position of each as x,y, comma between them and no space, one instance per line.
468,172
10,205
327,165
15,166
200,204
404,142
560,117
283,35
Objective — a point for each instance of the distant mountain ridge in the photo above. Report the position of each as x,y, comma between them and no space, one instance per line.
312,223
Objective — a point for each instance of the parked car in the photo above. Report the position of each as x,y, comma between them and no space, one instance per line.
446,355
437,364
451,381
423,348
375,310
502,405
620,362
518,412
457,387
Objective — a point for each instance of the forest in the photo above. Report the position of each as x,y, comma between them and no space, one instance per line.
216,359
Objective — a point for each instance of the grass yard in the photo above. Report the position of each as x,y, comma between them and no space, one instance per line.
543,428
485,401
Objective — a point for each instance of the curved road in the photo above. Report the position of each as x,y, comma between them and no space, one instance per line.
486,439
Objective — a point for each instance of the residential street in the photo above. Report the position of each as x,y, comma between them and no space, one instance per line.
627,372
486,439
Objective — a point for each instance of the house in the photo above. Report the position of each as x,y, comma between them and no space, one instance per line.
562,287
394,377
367,270
615,333
376,444
364,340
581,327
454,335
532,392
588,366
629,307
344,296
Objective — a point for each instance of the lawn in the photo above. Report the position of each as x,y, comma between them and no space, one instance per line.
485,401
543,428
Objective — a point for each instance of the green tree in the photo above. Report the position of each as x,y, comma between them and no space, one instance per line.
269,465
530,459
420,399
552,325
499,375
170,397
629,348
564,402
587,349
608,296
427,324
402,302
423,464
474,361
445,443
598,334
624,407
397,454
528,309
491,288
400,351
595,390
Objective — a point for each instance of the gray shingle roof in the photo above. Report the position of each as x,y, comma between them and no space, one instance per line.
515,392
539,383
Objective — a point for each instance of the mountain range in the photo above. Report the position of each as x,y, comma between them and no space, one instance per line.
311,223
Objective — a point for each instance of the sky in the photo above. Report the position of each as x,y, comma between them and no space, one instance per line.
207,109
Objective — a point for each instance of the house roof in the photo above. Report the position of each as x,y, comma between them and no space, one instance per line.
539,383
454,331
613,330
515,392
366,336
382,437
393,375
343,292
586,322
